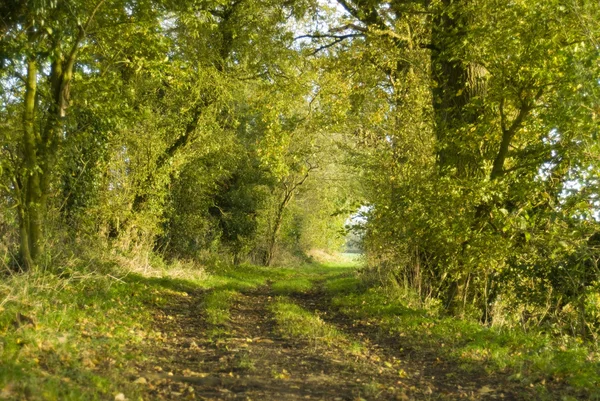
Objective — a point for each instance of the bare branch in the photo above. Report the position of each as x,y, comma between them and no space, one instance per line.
329,36
326,46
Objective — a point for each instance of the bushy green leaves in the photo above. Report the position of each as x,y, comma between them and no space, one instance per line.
475,130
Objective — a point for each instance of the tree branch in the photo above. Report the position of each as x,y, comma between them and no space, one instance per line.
329,36
352,11
326,46
509,133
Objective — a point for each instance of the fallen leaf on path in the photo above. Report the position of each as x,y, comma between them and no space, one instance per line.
402,397
7,391
486,390
88,363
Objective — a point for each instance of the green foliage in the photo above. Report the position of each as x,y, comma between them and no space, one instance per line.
179,125
474,132
240,131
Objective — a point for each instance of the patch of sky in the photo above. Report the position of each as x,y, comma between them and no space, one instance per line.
582,181
327,17
360,217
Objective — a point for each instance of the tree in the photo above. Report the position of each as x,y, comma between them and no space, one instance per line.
449,173
37,32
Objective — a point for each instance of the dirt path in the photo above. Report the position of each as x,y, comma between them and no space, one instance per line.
249,360
428,374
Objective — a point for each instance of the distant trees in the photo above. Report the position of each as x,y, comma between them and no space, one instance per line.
184,127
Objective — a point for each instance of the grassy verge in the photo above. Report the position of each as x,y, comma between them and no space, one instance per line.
72,338
78,336
532,358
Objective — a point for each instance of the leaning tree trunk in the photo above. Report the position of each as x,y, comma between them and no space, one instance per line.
288,194
272,239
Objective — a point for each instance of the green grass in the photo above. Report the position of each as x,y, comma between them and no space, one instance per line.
531,358
236,278
292,285
245,362
90,328
216,306
294,321
79,336
344,284
77,339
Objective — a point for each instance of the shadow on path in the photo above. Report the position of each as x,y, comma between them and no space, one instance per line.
249,360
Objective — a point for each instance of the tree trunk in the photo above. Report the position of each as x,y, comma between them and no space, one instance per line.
31,193
40,147
458,88
288,194
456,85
272,241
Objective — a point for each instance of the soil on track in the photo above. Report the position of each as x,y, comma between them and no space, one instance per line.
250,360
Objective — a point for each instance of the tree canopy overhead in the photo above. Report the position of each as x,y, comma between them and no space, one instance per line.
250,131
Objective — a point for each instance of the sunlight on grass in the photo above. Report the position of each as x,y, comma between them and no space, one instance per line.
237,278
344,284
216,306
293,321
532,358
60,337
75,336
292,285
